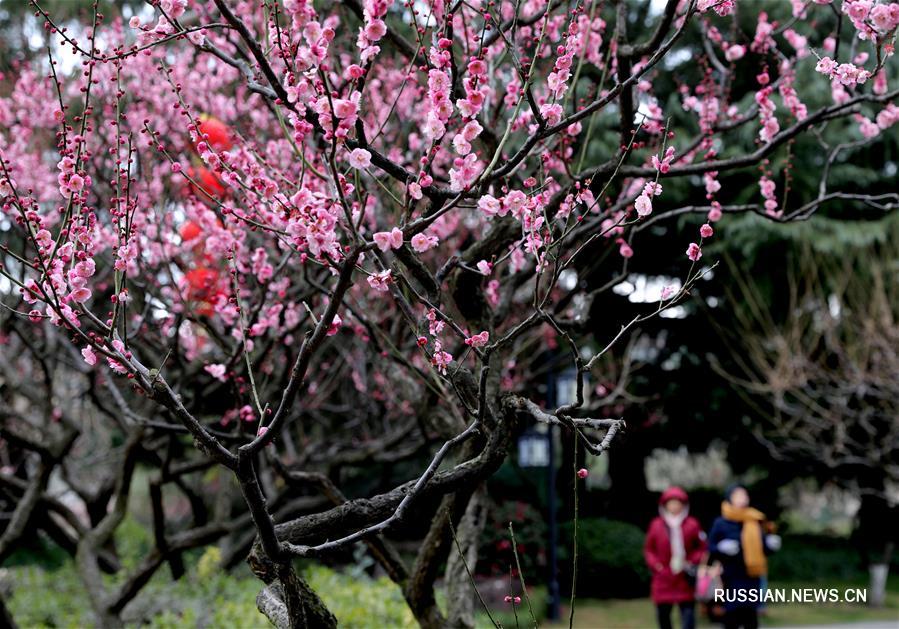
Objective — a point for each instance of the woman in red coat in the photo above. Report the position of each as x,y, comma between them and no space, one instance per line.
675,545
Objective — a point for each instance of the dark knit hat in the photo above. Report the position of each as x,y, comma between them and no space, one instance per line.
731,489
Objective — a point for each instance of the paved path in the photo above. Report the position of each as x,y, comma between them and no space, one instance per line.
867,624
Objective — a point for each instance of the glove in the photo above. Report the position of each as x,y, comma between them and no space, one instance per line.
773,542
729,547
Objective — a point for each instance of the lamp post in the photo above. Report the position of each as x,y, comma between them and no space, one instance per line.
563,390
566,387
536,448
553,612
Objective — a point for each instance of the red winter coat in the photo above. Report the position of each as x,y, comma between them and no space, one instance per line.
666,586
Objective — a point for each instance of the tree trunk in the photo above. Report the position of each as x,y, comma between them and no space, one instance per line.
460,594
875,534
295,606
6,619
878,587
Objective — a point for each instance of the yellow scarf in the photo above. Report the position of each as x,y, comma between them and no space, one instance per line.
750,537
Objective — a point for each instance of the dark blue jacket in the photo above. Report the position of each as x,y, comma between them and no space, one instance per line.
733,575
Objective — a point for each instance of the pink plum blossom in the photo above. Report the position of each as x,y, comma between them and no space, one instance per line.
694,252
360,159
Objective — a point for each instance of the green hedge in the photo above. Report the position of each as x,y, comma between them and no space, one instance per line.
610,559
817,558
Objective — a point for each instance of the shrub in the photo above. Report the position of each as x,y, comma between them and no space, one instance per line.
496,554
815,558
359,601
610,559
47,598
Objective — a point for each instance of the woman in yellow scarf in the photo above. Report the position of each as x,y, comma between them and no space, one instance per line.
738,541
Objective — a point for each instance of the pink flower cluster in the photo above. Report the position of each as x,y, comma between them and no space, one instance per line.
422,242
373,28
422,115
888,116
643,204
528,210
466,168
478,340
476,89
515,202
464,172
389,240
557,81
770,126
712,185
380,281
721,7
78,277
217,371
591,38
663,165
360,159
313,227
798,42
694,252
788,92
435,325
763,41
867,127
768,188
170,10
844,73
90,356
885,119
462,140
440,358
342,120
871,19
71,182
438,101
734,52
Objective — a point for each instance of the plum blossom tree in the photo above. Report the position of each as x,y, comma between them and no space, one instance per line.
307,235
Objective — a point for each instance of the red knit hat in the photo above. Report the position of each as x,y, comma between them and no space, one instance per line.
673,493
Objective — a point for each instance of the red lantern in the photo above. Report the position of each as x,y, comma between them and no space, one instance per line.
218,136
202,289
206,183
189,231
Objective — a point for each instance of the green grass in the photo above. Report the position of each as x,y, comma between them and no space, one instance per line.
53,596
205,597
640,613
